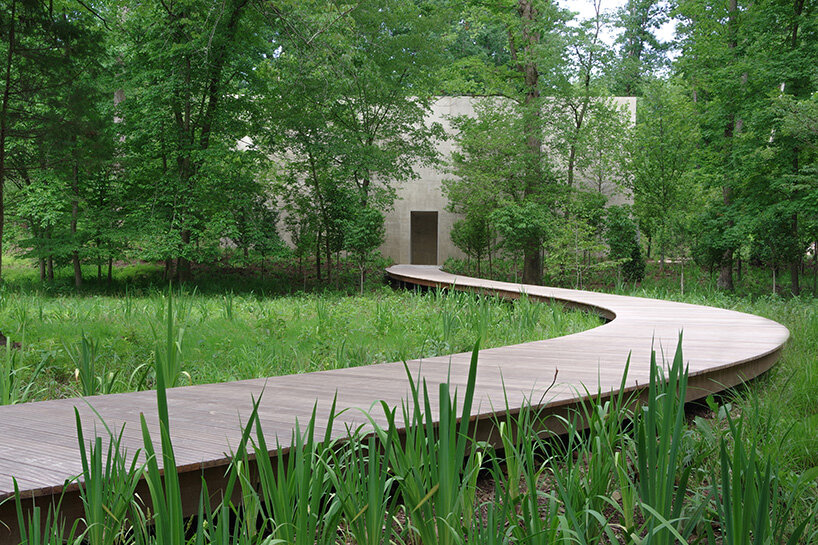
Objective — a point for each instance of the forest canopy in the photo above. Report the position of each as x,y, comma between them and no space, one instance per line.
159,130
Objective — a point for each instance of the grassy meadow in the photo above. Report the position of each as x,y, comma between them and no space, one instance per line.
740,468
104,343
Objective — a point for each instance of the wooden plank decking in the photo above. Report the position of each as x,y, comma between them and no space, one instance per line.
38,444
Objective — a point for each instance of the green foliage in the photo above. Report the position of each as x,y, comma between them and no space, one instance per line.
408,465
663,479
362,236
350,89
500,185
661,156
623,245
472,236
521,225
641,52
55,121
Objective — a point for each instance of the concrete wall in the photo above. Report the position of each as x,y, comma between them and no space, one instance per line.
425,194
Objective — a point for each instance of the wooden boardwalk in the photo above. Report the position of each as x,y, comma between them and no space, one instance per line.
38,444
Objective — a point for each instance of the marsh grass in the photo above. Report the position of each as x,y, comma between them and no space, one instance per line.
18,383
92,345
742,473
325,491
414,480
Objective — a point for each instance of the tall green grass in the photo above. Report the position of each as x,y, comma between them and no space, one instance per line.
618,473
97,345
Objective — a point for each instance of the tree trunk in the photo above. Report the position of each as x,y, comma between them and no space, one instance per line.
110,270
725,281
774,271
99,260
795,277
682,277
338,270
183,270
75,210
532,261
50,268
4,107
532,267
318,257
42,269
328,255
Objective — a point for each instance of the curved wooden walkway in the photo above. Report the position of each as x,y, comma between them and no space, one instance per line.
38,444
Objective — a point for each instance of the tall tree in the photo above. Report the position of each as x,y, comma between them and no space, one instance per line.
494,183
349,89
29,50
188,80
535,51
661,156
641,54
524,57
54,124
715,62
794,52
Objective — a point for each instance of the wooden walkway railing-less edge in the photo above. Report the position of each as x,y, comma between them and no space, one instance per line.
38,441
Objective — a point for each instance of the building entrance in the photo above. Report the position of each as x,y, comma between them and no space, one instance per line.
424,238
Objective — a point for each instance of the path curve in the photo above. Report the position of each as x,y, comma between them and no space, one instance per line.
722,348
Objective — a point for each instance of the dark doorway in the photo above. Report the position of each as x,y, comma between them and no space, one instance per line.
424,238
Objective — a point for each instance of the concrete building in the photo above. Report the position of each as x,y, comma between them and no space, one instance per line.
417,229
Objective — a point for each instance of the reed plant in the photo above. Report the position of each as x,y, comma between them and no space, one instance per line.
295,486
15,386
530,513
85,356
45,526
161,475
436,461
364,487
616,474
663,478
170,355
107,487
751,503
